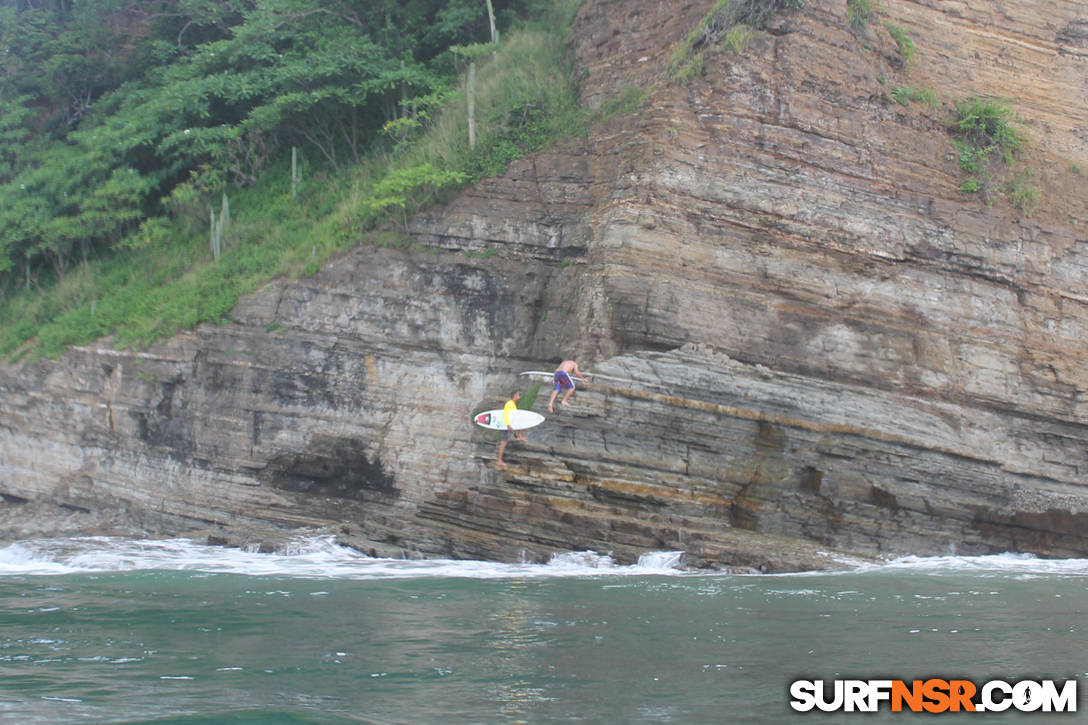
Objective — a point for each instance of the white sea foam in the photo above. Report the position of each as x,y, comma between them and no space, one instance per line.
26,557
322,557
313,557
1022,565
661,560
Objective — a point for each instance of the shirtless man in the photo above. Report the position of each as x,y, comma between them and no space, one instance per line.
564,380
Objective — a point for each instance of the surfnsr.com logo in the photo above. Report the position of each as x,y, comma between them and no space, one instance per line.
933,695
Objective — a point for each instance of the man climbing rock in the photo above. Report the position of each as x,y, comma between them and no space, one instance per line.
563,379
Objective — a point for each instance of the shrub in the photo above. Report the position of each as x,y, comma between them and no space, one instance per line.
983,130
858,12
906,45
986,125
1022,193
903,95
737,38
926,96
629,100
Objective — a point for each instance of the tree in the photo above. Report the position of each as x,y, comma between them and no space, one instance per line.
14,115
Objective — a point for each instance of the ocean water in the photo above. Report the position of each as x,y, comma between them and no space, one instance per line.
100,630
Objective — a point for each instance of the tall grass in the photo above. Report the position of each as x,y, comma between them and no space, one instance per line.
906,44
526,98
903,95
730,22
858,12
686,62
142,295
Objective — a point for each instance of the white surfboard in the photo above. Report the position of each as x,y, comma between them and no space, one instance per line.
548,376
519,419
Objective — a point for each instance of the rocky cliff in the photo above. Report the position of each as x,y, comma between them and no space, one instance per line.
809,344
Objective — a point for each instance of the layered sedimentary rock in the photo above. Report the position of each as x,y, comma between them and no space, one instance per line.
809,343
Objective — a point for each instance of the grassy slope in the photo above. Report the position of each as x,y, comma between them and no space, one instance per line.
168,281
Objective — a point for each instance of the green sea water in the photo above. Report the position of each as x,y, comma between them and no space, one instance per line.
114,631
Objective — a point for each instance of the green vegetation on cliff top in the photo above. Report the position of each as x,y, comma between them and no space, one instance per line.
123,126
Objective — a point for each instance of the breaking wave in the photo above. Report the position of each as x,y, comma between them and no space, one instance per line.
323,557
315,557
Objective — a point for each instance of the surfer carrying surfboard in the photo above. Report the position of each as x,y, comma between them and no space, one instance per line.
511,406
563,379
